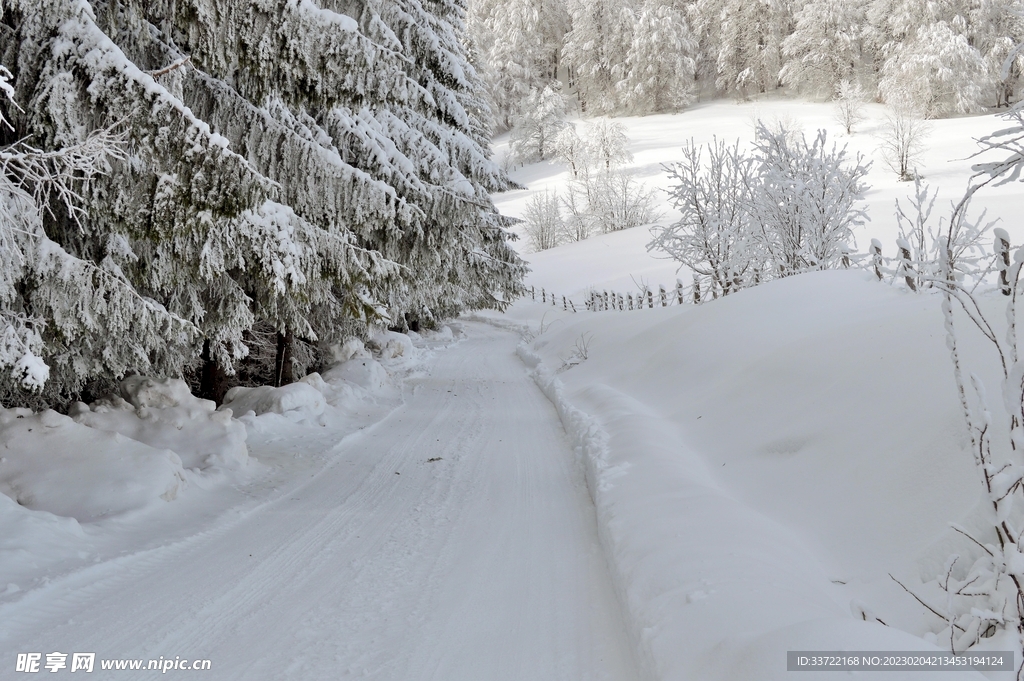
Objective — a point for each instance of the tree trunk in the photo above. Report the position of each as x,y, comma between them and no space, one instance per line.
283,372
213,383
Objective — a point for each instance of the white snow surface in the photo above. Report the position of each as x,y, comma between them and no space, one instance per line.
672,494
453,540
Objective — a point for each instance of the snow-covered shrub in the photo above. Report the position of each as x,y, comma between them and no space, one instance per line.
850,98
985,589
50,463
364,373
297,401
714,236
618,201
788,208
805,200
544,224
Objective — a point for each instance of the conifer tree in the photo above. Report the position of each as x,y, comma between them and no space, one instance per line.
288,164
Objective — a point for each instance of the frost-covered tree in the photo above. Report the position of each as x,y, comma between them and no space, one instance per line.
750,45
284,158
824,48
659,67
536,132
596,45
607,143
937,69
849,105
903,139
544,224
520,44
996,29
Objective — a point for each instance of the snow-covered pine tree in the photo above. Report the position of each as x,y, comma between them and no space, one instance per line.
270,168
750,47
659,67
825,47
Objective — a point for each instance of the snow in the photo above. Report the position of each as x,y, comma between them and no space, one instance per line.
671,493
50,463
163,414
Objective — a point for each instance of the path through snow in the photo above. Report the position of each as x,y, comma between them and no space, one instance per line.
483,564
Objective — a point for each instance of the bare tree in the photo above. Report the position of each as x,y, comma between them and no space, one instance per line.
849,105
544,224
903,139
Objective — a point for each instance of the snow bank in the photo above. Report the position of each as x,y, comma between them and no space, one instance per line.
368,374
30,539
48,462
164,414
758,468
298,401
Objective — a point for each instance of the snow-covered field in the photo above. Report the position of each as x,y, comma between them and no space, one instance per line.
619,259
672,493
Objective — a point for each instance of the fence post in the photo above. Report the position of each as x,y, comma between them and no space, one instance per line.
1003,253
543,295
553,299
604,298
622,303
876,257
679,291
905,267
663,295
696,290
630,300
650,299
573,306
533,293
565,305
845,251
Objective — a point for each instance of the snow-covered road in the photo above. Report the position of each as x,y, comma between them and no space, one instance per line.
454,540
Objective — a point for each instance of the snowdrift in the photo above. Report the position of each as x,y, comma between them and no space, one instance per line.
164,414
760,465
48,462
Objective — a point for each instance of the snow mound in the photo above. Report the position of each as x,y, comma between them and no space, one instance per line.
298,401
142,391
352,348
391,344
364,373
48,462
164,414
29,538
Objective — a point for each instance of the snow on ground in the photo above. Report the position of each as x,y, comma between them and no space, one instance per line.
453,540
617,260
155,464
762,464
670,493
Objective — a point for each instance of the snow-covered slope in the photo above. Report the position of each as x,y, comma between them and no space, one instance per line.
609,260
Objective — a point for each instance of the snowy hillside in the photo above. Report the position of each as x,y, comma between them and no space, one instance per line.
780,469
609,260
